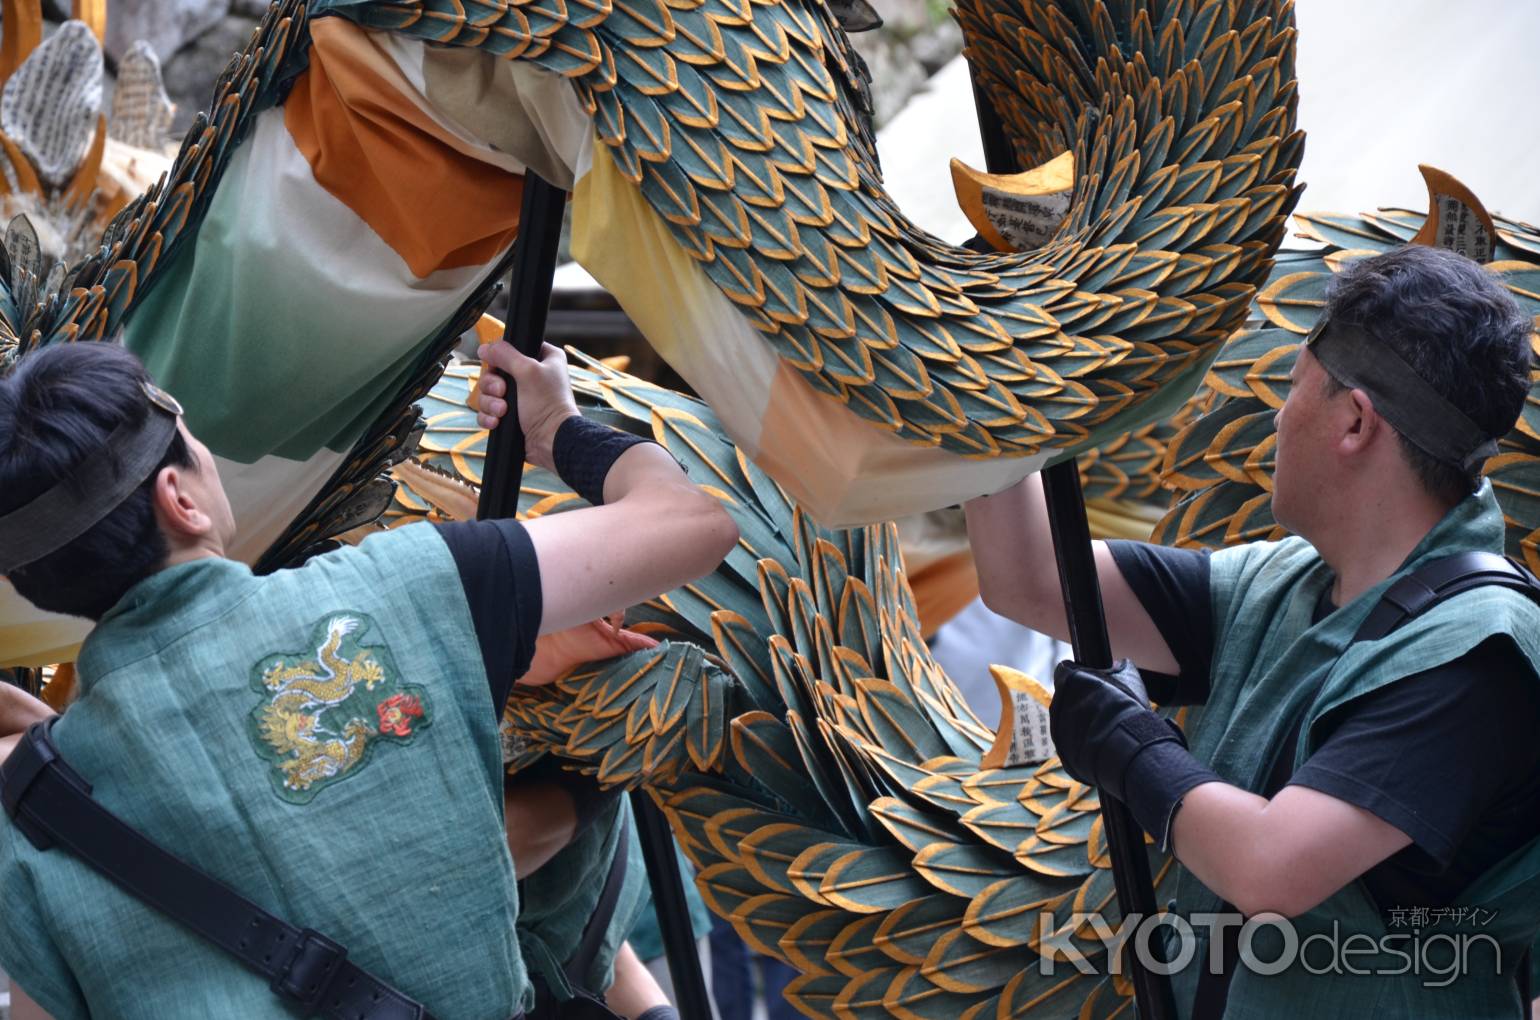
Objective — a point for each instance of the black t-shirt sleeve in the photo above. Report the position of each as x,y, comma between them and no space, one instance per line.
1173,587
1434,752
502,586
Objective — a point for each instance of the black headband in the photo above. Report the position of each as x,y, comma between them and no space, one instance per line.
1409,402
93,490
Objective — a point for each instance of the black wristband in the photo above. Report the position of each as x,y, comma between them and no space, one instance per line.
1157,779
583,453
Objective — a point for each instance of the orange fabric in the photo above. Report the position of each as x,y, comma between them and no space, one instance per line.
371,147
60,691
943,588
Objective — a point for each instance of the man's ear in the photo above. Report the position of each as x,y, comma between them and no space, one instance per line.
177,506
1365,426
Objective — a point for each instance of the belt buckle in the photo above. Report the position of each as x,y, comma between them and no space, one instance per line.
309,971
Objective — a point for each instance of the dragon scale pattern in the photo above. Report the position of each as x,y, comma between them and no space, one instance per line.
818,767
740,123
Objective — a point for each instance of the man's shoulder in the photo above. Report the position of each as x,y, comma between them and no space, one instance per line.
1487,611
416,539
1290,553
1502,624
408,556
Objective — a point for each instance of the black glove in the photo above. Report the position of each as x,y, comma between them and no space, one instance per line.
1102,725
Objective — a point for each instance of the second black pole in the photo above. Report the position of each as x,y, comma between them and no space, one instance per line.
1092,645
529,301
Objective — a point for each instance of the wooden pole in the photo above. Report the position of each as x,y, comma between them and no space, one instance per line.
529,302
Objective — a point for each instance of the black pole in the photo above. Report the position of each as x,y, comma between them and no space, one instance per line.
674,923
1088,637
529,301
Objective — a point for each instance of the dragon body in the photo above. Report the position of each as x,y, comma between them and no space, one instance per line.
311,757
726,188
837,795
819,769
824,304
840,801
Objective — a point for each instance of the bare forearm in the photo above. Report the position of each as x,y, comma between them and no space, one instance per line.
18,710
1283,855
23,1008
541,819
643,468
1217,835
1019,576
656,531
634,990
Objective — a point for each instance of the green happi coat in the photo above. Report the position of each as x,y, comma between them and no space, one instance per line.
1268,663
323,740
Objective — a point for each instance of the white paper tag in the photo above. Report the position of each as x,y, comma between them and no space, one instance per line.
1031,740
1461,230
1026,221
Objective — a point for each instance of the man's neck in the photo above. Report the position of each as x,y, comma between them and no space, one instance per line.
192,552
1369,544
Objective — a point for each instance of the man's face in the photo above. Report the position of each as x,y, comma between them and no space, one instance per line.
1302,475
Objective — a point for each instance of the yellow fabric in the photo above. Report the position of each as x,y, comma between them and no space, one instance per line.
840,468
1116,518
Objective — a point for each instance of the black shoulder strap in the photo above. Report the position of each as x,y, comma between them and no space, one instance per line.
51,805
582,959
1440,580
1431,584
586,1004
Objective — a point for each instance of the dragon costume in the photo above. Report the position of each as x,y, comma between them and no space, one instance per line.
348,203
725,188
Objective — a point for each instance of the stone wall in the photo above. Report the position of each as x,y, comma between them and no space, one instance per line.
916,38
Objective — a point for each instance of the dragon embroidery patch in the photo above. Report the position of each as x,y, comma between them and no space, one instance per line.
324,709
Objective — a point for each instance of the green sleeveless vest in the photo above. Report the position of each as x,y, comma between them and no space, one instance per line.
323,740
1268,667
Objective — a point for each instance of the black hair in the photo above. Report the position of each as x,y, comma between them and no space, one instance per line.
57,408
1458,328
